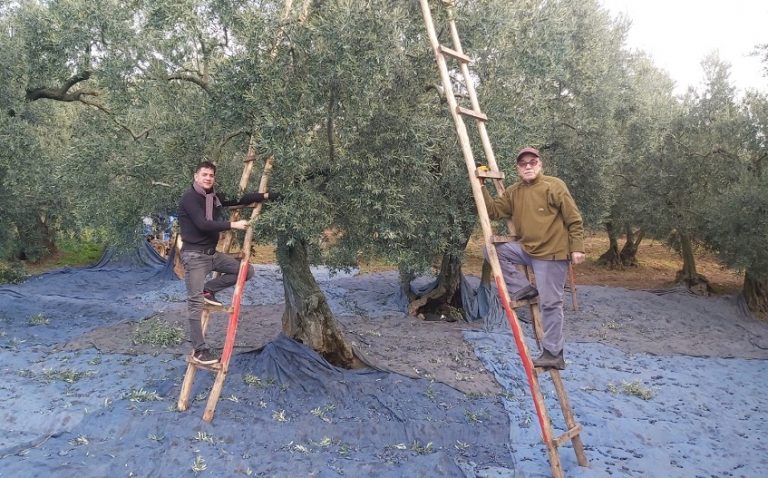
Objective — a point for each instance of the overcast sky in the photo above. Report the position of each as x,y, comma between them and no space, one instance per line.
678,34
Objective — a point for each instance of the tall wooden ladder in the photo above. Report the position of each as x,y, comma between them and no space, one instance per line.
222,367
458,112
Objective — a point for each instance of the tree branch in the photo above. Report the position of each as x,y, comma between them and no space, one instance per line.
104,109
192,78
62,93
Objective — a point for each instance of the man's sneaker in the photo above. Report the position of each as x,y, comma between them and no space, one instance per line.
526,293
204,357
549,360
210,299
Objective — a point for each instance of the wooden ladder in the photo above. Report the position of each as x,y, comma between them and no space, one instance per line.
222,367
458,113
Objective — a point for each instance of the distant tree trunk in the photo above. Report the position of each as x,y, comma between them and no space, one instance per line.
756,294
688,274
36,239
611,257
445,299
628,254
405,284
307,317
694,281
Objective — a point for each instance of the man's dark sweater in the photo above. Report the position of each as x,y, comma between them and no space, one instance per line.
197,232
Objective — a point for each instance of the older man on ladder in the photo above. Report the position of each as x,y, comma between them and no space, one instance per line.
550,232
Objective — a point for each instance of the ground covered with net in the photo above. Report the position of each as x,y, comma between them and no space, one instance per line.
664,383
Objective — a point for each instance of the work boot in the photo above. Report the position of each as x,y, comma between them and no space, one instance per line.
549,360
526,293
211,299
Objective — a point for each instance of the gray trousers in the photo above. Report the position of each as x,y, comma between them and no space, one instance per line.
550,282
197,266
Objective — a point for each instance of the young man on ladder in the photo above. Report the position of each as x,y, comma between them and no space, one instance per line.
550,231
200,223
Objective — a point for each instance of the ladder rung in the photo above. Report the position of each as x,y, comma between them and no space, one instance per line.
217,308
567,436
489,174
478,115
501,239
514,304
453,53
214,367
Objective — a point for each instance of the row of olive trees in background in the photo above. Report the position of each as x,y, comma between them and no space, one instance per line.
107,106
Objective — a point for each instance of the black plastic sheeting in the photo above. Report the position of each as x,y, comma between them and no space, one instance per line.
480,301
142,256
285,412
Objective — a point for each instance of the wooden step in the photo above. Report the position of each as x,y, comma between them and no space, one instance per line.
478,115
489,174
453,53
217,308
567,436
502,239
214,367
515,304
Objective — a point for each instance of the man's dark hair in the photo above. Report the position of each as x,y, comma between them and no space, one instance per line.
206,165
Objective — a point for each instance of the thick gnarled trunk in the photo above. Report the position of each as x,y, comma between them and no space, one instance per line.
628,253
756,294
627,256
444,300
307,316
695,282
610,257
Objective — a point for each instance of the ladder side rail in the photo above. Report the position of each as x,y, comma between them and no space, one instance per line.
250,157
229,341
574,429
482,129
244,264
485,224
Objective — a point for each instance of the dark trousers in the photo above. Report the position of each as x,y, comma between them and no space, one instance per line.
197,266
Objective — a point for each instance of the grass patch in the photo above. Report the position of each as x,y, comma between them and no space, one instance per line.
254,381
79,441
158,333
634,389
202,436
68,375
199,464
38,319
320,412
141,395
12,273
72,252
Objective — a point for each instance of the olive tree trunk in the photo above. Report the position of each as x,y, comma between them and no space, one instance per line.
756,294
628,253
694,281
307,317
611,257
444,300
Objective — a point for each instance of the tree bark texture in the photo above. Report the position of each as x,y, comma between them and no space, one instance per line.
695,282
628,253
307,317
611,257
756,294
445,298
